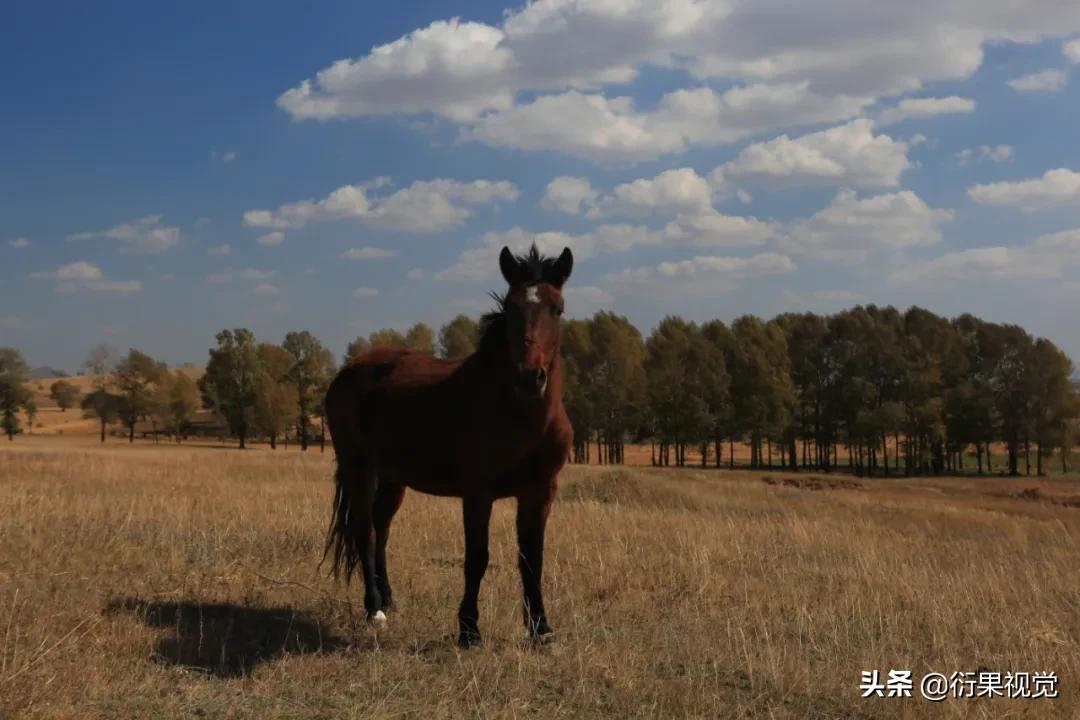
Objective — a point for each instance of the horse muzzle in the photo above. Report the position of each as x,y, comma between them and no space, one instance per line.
532,383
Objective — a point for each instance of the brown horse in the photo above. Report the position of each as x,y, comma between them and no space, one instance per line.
487,427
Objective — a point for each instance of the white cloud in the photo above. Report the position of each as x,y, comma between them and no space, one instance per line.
680,190
118,287
686,195
917,139
1072,50
80,270
985,262
368,253
265,289
347,201
416,274
847,155
1055,187
424,206
431,206
849,229
585,300
707,229
461,69
144,235
1047,257
712,228
469,306
223,249
244,274
471,71
763,264
700,115
482,262
593,126
925,107
996,154
451,68
19,243
254,274
271,239
365,292
228,157
577,124
708,273
822,300
569,195
1049,80
82,275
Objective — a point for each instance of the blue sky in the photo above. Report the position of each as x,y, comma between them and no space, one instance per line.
165,173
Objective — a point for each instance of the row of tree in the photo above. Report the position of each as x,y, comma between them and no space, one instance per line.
907,392
133,388
263,389
257,389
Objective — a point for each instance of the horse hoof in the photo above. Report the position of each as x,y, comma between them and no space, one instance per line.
544,637
469,640
377,619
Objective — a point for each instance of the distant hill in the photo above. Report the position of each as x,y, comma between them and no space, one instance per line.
51,420
45,373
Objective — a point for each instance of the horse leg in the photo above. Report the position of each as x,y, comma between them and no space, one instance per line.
388,499
352,532
476,512
532,513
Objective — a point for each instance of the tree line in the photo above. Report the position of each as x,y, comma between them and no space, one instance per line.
884,390
899,392
257,389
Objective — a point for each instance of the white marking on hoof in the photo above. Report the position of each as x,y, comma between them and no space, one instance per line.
377,619
532,294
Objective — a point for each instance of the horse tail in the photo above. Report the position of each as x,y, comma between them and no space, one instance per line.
350,519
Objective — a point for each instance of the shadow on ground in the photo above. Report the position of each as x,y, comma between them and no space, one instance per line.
224,639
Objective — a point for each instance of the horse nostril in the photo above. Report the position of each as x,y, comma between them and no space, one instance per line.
541,378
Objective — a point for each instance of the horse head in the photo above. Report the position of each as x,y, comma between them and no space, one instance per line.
532,307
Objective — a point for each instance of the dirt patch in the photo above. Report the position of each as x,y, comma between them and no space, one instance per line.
812,483
619,487
1035,495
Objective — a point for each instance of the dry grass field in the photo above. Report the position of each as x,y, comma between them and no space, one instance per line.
164,582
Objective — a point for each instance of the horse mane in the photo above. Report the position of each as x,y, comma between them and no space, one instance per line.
534,267
493,325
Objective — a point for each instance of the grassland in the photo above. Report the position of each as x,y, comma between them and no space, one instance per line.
165,582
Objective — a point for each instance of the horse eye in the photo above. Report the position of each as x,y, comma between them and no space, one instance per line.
558,312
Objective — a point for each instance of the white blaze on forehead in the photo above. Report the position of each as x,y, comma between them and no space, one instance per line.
532,294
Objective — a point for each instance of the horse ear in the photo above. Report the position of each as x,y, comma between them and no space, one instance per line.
509,266
561,270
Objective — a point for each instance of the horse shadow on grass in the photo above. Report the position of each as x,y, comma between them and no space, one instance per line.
226,639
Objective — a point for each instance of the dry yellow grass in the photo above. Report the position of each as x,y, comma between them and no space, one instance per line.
178,582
